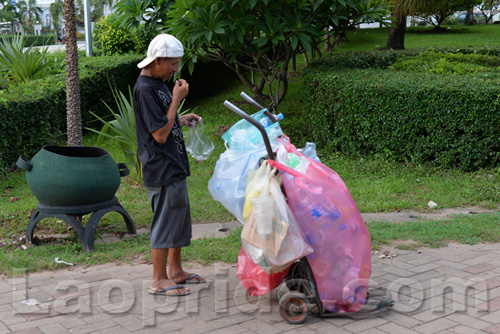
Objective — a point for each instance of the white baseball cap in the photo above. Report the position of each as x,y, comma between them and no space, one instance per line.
163,46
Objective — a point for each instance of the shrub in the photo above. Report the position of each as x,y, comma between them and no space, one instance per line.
451,121
142,37
447,63
111,38
34,114
19,65
384,58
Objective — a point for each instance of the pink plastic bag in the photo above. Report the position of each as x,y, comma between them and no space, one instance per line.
333,226
255,281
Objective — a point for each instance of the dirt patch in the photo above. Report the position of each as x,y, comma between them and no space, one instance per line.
408,215
222,129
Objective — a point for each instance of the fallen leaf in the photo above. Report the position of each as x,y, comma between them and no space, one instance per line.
14,199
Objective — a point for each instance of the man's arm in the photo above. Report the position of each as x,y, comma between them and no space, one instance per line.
180,91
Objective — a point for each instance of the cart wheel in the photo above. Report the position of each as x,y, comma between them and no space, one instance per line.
293,308
292,284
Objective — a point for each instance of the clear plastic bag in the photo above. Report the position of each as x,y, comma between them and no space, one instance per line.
198,145
245,136
229,179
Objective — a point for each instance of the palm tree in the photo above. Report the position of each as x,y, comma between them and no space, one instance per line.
32,12
73,107
98,8
20,10
57,11
7,11
401,10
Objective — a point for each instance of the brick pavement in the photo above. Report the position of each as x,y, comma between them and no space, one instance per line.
455,289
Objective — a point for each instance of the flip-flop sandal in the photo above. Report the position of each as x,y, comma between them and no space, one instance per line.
164,291
190,280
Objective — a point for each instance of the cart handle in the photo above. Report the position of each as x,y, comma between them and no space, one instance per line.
258,106
255,123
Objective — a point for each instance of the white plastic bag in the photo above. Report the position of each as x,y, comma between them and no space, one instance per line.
229,179
271,236
198,145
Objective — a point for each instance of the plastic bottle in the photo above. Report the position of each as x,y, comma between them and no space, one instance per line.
293,160
265,121
310,151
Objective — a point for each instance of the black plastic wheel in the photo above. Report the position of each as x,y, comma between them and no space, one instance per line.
293,308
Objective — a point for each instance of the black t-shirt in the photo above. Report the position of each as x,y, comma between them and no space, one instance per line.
162,164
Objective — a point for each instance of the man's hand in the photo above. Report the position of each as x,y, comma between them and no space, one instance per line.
181,90
187,119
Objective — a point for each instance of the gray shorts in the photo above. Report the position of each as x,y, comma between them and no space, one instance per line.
171,223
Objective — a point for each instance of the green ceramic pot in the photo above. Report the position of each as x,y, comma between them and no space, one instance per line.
72,176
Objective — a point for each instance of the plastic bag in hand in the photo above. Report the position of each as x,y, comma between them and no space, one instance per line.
198,145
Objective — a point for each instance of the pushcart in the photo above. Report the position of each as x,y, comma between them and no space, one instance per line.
298,293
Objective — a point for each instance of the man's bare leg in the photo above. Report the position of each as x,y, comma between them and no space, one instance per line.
160,277
175,271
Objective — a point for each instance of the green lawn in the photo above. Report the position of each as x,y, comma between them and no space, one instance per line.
376,185
458,35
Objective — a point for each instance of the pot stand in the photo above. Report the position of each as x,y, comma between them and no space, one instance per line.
70,213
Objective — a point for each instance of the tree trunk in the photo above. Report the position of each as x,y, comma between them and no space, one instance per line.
469,20
339,38
73,110
328,44
396,40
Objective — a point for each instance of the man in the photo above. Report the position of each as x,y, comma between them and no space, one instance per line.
165,164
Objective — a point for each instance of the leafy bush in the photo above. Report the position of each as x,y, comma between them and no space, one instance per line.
111,38
122,128
19,65
451,121
385,58
34,114
142,37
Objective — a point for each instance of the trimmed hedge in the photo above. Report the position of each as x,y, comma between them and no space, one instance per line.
384,58
35,40
447,120
34,114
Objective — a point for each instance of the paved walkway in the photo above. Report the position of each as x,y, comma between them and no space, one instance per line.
455,289
61,47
